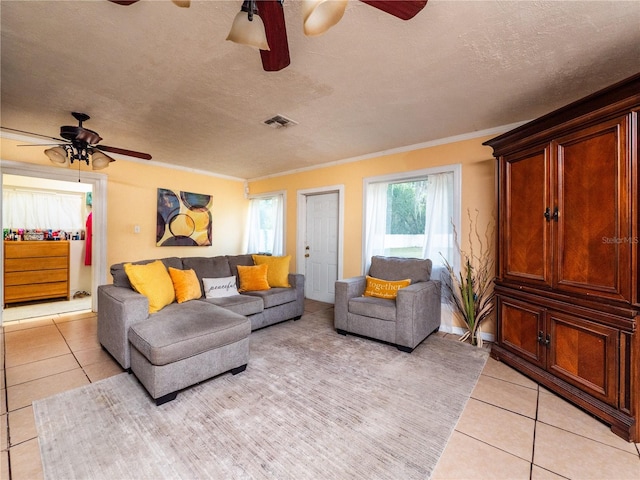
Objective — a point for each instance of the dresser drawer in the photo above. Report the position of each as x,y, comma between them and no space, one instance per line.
17,293
41,263
36,249
27,278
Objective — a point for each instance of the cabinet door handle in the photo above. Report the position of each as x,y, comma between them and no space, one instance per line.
542,340
551,216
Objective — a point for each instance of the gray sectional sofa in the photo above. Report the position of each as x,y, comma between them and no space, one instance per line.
185,343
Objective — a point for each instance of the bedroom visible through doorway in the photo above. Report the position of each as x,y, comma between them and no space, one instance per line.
44,210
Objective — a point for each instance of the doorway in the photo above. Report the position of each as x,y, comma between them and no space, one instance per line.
97,184
37,209
320,227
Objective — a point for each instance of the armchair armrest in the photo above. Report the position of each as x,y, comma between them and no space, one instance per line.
118,309
346,290
417,312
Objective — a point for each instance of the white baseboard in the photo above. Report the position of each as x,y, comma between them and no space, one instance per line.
487,337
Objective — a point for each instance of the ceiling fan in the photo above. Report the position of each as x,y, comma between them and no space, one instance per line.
81,144
276,56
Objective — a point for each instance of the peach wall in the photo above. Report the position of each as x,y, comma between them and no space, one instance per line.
131,200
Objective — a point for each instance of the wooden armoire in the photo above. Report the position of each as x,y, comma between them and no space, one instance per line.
567,281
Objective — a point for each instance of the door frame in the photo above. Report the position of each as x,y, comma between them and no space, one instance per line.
99,215
302,224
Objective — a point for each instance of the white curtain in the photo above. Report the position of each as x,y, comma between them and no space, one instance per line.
376,222
277,246
438,229
42,210
265,229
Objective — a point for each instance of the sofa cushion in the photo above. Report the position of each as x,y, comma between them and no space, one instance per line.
240,304
278,271
396,268
120,278
182,331
208,267
185,284
384,288
379,308
153,281
253,278
274,296
220,287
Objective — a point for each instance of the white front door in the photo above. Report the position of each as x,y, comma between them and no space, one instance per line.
321,246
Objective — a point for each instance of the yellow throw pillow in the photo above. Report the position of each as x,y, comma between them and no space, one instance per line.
253,278
377,287
153,281
278,271
185,284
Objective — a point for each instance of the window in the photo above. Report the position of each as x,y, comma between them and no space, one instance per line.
413,215
265,230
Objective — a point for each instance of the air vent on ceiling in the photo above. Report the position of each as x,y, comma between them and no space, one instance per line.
280,121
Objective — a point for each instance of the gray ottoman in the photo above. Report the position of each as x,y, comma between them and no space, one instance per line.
174,351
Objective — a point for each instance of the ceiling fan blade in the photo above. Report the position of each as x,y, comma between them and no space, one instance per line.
57,139
182,3
272,15
122,151
404,9
41,145
123,2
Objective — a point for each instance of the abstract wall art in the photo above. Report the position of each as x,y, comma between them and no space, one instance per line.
184,219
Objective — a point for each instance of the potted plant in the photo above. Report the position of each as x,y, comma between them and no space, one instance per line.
470,291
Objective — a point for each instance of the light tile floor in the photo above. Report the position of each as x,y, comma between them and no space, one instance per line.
510,429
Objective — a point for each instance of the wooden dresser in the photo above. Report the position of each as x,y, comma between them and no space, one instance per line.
567,282
36,270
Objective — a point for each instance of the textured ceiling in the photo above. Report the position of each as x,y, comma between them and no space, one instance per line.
161,79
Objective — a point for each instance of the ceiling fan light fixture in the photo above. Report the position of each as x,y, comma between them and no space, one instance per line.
318,16
56,154
99,160
248,28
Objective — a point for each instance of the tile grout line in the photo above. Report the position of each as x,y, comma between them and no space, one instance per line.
535,429
588,438
535,387
492,446
7,431
84,372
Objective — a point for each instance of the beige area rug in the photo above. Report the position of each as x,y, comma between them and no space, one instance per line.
312,404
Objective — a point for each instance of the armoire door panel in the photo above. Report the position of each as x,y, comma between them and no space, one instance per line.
593,235
584,354
520,329
526,199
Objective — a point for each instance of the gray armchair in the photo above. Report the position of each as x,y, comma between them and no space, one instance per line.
405,321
